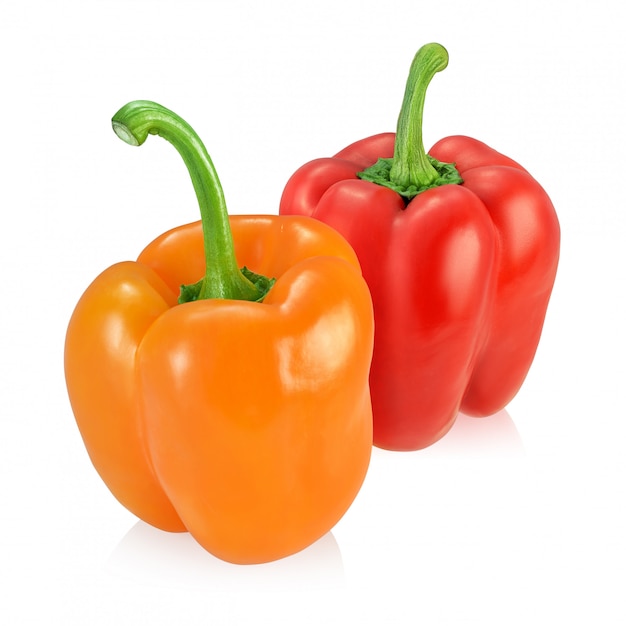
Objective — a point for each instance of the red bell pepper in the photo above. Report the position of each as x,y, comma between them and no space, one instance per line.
459,248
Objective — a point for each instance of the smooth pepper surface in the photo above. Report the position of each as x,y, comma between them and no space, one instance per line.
460,249
246,422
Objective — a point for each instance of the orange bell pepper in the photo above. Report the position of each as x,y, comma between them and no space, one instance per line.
241,410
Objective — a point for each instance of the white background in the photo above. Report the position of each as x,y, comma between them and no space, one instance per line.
515,519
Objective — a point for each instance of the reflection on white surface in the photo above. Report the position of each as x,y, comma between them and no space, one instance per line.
495,435
151,556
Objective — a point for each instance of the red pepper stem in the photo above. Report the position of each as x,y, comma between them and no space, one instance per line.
411,166
223,278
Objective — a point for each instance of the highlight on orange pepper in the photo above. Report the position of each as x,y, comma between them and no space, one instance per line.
240,409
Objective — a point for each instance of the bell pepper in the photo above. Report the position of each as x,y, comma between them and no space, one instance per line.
238,410
459,247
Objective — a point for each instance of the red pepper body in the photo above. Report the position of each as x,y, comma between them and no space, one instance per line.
460,279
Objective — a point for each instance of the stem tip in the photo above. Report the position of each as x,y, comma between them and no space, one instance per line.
124,134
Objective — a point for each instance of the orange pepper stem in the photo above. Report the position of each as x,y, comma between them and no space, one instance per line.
223,278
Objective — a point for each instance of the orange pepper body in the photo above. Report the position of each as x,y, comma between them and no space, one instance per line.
247,424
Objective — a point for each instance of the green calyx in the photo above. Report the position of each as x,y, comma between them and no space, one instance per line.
411,171
223,278
380,173
189,293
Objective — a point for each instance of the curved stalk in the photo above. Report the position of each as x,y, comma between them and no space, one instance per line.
223,279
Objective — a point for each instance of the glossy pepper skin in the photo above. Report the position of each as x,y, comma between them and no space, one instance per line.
247,423
460,268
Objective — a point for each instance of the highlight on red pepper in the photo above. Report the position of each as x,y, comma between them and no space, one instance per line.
239,409
459,247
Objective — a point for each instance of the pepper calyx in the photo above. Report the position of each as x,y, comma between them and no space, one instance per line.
190,293
380,173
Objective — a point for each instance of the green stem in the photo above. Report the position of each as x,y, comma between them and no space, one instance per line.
410,164
411,170
223,278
